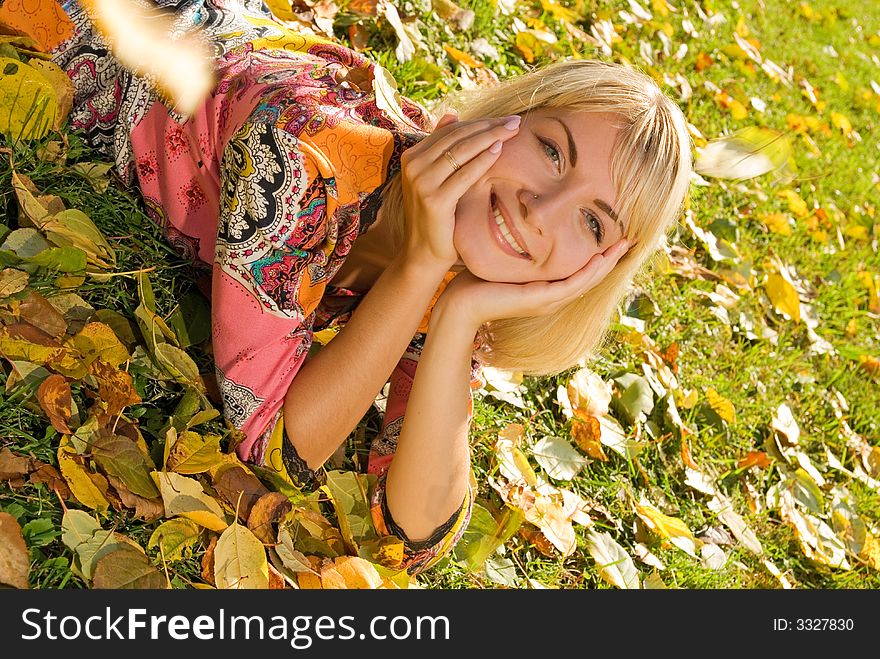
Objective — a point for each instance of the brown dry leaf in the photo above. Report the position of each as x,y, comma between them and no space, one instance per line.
239,488
14,558
39,312
537,539
45,473
13,466
588,435
276,579
208,561
146,509
270,508
55,400
115,387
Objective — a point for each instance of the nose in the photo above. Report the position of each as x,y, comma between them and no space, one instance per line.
538,209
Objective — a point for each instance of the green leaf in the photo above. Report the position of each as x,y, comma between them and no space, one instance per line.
127,567
348,492
174,536
484,535
65,259
120,456
191,321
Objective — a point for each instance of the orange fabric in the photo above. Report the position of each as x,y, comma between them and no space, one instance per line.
423,326
44,21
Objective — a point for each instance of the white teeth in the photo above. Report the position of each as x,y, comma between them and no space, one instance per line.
499,220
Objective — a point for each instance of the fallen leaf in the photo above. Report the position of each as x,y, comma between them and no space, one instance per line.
558,458
120,457
193,453
81,485
127,567
15,560
55,399
239,488
173,537
269,509
185,496
614,563
240,560
669,528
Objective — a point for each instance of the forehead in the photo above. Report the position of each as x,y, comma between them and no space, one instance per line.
595,129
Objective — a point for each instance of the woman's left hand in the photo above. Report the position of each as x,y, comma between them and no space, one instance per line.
477,301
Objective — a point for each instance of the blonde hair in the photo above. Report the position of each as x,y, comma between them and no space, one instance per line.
650,170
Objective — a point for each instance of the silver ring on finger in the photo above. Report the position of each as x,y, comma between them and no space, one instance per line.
452,161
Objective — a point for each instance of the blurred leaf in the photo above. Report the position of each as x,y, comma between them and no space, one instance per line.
747,153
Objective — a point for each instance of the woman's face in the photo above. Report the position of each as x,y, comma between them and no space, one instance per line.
552,187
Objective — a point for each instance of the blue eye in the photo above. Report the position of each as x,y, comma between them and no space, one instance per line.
548,148
599,230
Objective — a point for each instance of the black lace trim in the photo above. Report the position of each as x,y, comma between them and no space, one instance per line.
433,539
298,469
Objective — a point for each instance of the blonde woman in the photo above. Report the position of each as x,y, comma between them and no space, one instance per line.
504,234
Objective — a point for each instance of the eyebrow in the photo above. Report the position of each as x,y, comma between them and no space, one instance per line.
573,156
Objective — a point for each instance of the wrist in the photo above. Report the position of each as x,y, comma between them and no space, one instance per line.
450,315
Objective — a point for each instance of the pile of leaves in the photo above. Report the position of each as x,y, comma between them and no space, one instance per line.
153,496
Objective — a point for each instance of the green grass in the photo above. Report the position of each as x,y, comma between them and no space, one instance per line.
756,375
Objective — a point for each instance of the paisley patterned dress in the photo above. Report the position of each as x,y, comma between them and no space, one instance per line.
265,188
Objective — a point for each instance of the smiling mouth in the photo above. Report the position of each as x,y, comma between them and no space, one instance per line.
505,231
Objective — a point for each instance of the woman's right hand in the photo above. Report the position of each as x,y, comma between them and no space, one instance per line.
432,188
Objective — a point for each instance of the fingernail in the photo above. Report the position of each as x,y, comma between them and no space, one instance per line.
496,147
512,123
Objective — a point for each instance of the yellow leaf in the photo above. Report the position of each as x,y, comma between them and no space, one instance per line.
795,204
462,57
193,454
97,340
741,28
777,223
12,281
61,85
671,528
82,487
559,12
351,572
840,121
722,406
784,296
28,104
185,496
240,560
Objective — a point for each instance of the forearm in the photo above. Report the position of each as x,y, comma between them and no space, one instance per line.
334,389
428,477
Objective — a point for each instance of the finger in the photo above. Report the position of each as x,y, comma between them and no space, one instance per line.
473,136
598,267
